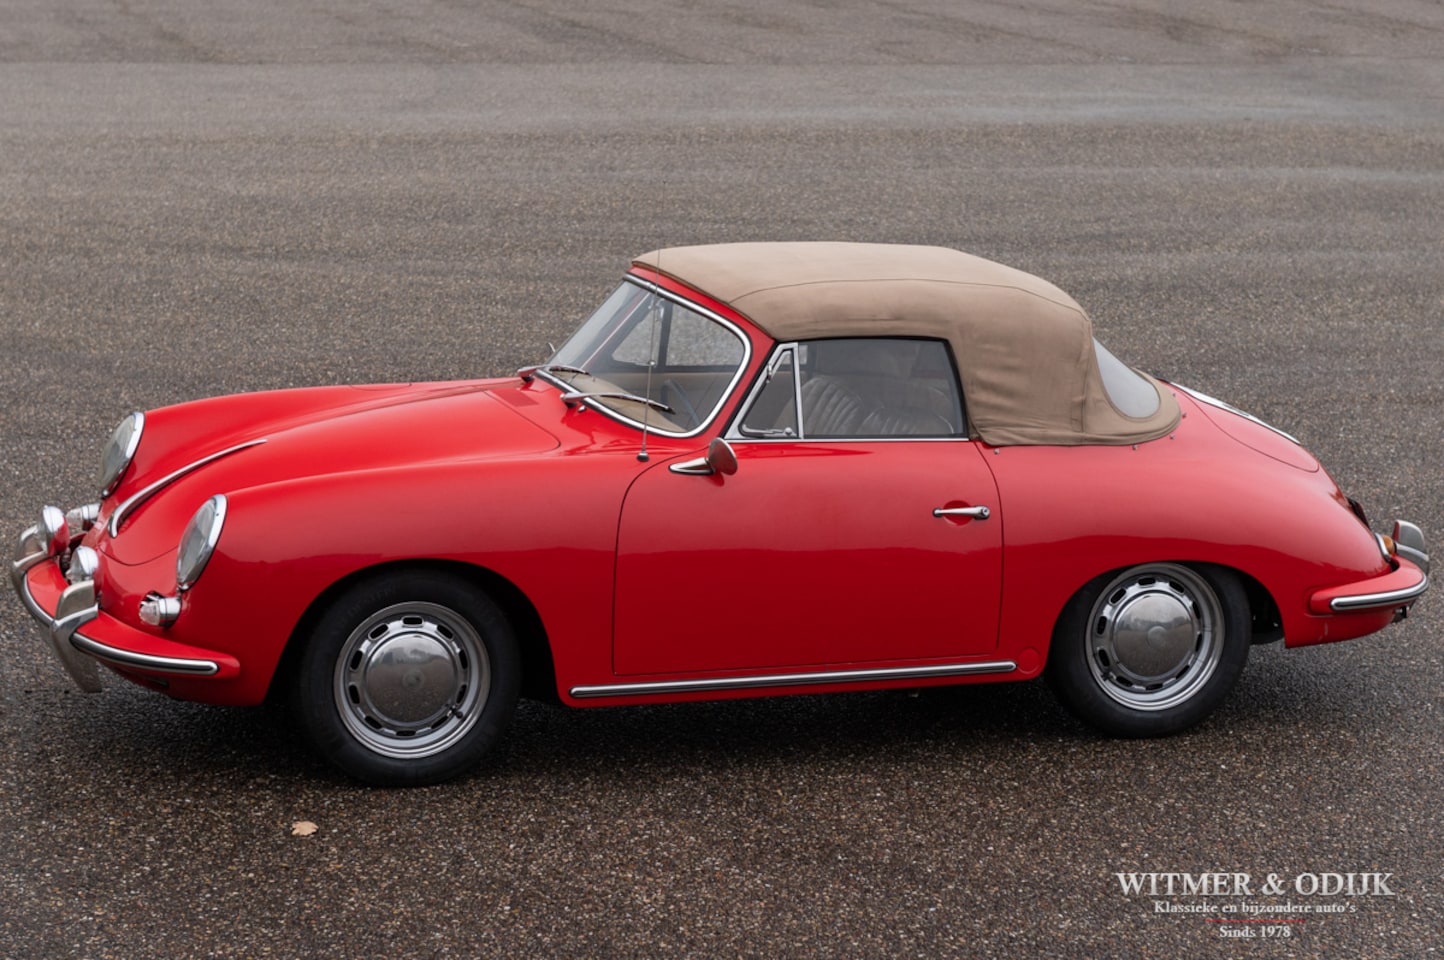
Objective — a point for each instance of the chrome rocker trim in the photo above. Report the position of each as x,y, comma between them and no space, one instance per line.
790,679
1389,598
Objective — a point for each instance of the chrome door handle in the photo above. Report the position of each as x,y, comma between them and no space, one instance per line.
977,513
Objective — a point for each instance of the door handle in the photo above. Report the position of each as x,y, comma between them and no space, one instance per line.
977,513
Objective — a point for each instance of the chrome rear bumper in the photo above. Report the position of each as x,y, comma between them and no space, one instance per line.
1396,590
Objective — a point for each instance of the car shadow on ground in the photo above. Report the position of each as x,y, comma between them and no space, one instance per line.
125,733
122,728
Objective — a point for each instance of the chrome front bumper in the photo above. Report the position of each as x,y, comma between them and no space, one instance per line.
66,604
77,606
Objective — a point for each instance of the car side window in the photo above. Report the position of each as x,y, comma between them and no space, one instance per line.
857,388
773,410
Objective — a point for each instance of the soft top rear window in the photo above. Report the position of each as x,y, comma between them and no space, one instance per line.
1130,394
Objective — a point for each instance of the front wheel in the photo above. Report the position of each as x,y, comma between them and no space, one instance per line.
408,679
1151,650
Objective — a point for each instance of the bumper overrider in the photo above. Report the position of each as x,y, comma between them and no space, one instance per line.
55,579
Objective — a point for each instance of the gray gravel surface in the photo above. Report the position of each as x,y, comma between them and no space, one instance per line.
203,198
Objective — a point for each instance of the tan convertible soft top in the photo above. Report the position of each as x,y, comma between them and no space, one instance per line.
1023,347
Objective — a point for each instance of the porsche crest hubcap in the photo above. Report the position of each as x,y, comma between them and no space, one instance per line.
411,680
1155,636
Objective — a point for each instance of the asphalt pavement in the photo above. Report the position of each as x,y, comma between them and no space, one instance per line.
198,199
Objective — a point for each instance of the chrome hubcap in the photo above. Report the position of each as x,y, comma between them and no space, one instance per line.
1155,636
411,680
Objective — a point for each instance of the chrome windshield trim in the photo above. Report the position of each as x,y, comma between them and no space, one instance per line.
580,396
542,372
791,679
1388,598
118,517
528,372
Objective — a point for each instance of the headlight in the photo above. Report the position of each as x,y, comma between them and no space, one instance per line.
120,451
199,541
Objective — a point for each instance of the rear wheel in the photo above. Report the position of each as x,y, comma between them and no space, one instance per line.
1151,650
408,679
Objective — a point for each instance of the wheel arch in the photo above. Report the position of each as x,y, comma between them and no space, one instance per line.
1264,616
538,672
1152,648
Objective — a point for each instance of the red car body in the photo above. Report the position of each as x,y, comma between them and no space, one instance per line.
769,564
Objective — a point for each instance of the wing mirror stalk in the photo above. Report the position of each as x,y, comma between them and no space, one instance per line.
720,458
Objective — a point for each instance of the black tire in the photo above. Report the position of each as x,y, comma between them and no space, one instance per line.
1151,650
407,679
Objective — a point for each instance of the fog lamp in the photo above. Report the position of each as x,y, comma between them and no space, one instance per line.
84,562
53,532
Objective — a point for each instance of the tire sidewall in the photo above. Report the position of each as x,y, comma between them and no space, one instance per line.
1072,680
313,698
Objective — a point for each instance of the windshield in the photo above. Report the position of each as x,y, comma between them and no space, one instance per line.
645,356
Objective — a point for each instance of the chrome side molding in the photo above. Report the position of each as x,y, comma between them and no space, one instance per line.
791,679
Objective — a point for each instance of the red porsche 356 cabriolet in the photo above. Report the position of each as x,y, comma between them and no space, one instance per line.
756,469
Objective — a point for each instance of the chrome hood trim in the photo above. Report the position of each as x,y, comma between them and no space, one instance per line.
141,496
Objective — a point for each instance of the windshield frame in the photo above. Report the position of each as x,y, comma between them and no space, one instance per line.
569,382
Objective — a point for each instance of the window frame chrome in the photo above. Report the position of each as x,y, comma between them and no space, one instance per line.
764,377
734,434
727,392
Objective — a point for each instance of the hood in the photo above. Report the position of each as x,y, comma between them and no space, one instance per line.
274,437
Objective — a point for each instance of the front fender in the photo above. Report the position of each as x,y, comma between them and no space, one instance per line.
549,528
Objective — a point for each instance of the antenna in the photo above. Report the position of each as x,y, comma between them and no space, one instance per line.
651,360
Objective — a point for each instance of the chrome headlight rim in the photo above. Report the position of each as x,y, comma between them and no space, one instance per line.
198,541
120,451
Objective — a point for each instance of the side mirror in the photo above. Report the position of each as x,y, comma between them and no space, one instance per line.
720,458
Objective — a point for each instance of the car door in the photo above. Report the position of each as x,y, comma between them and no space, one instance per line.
860,526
